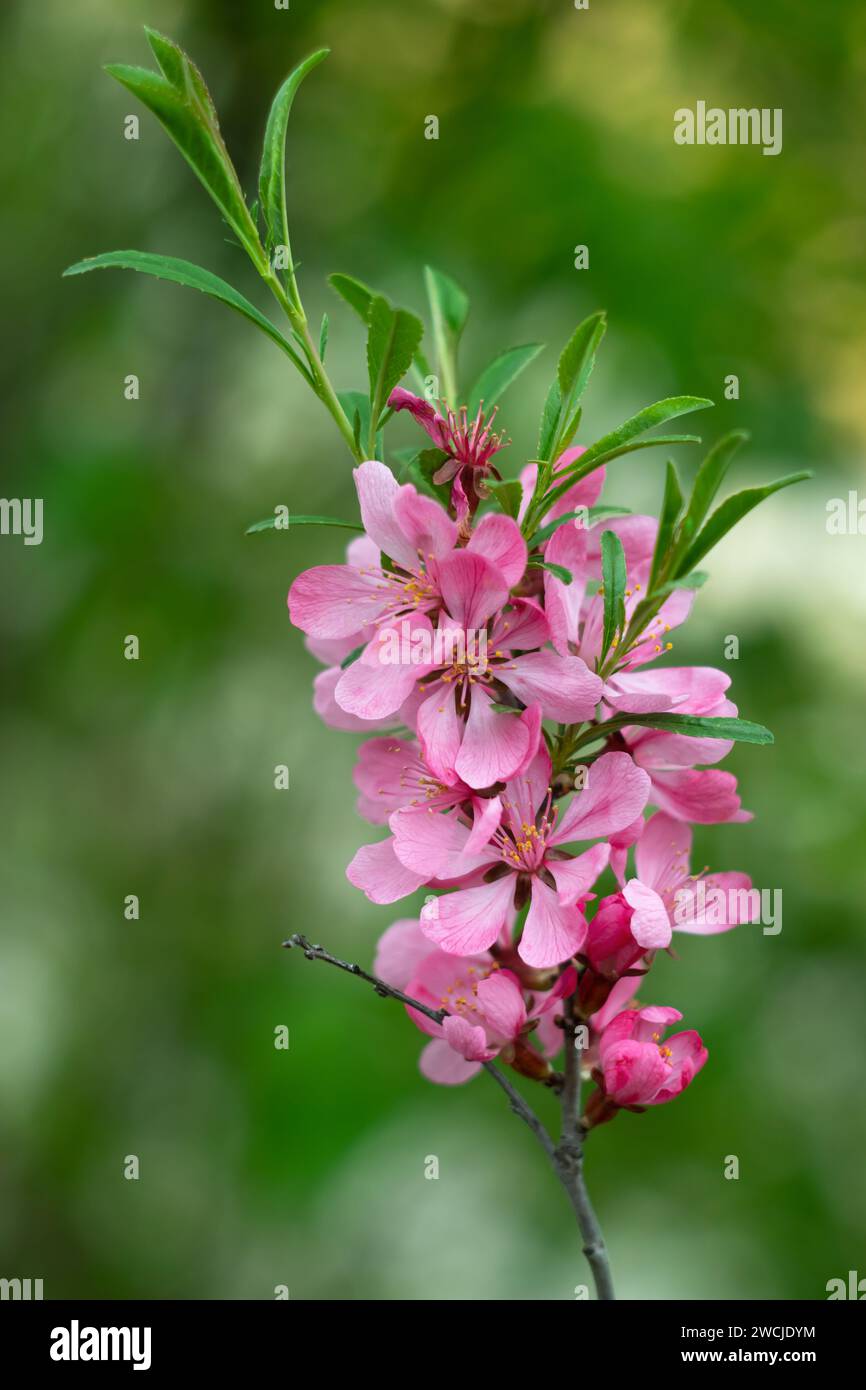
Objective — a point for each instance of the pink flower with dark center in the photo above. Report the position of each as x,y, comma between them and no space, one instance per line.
524,859
462,735
637,1067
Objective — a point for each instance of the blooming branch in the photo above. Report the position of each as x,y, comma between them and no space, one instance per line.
536,770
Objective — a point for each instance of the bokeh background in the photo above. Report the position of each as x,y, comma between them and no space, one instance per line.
155,1038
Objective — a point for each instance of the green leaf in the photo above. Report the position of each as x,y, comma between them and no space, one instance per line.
549,422
647,419
672,505
323,337
536,562
695,726
421,470
355,293
508,494
499,374
578,471
593,515
449,310
270,523
578,358
732,510
708,480
392,339
272,173
182,104
613,578
196,278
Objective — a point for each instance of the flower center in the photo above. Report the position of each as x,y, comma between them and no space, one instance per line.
522,844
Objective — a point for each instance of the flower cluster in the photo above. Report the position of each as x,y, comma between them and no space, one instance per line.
518,756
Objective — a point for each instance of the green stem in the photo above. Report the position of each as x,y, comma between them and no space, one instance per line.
322,383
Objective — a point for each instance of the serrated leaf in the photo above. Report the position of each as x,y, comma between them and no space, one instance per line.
355,293
272,173
536,562
182,104
508,494
393,337
593,516
449,310
499,374
195,278
672,505
270,523
725,517
613,578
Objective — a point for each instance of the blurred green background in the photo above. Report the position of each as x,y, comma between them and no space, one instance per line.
306,1168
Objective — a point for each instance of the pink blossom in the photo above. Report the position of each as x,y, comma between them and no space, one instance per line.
391,775
526,860
461,733
636,1067
666,897
487,1008
418,538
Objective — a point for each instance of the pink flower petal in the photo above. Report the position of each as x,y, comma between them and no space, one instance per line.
400,951
705,797
334,601
662,854
435,845
472,589
574,877
440,730
377,871
498,538
326,707
440,1063
615,794
377,492
500,1001
425,523
650,923
494,744
563,686
471,919
552,933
